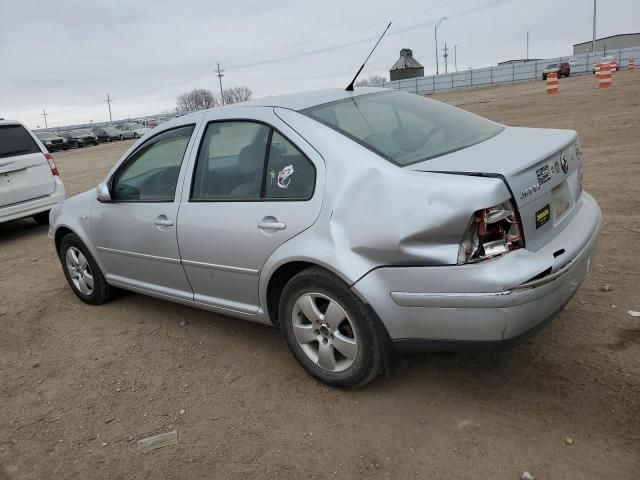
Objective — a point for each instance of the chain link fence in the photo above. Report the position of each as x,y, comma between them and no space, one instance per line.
513,72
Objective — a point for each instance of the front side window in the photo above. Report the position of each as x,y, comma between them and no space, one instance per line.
404,128
151,173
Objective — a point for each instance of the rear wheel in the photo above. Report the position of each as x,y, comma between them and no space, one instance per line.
135,135
329,330
82,272
42,218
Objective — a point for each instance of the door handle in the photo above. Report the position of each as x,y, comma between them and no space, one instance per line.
163,221
271,223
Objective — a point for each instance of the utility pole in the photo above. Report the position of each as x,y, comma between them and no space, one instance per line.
593,43
455,57
435,33
527,45
108,100
220,75
445,55
44,114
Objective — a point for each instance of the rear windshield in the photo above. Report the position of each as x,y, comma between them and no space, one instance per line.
15,140
404,128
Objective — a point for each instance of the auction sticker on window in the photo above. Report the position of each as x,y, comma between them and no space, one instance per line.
542,216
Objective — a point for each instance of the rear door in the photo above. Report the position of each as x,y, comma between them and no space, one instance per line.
255,184
25,173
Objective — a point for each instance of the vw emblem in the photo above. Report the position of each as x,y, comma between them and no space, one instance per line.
564,163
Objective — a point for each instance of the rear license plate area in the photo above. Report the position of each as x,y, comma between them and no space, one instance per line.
560,201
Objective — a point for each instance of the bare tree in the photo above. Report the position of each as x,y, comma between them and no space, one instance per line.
236,95
372,81
197,99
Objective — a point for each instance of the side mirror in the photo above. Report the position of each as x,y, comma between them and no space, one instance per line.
102,193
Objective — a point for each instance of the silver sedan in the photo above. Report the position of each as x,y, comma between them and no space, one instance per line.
360,223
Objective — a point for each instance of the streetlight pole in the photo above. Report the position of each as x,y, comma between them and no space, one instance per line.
527,45
593,43
445,55
435,33
455,56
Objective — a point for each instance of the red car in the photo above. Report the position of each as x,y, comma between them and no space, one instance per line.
563,69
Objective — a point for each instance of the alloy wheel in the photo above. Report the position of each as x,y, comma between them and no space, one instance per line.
79,270
325,332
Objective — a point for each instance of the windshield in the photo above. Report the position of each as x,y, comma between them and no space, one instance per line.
81,132
404,128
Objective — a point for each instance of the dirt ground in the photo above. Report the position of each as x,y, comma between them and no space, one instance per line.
79,385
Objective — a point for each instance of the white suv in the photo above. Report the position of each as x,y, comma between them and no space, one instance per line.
29,181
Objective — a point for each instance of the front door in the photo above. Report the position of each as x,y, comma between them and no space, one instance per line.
135,233
252,190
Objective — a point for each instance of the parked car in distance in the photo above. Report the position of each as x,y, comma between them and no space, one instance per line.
107,133
608,60
358,222
52,141
80,138
30,184
136,129
563,69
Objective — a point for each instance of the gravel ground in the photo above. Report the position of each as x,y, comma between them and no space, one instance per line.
80,385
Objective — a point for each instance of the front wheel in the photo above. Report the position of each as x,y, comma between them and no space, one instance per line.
82,272
121,137
329,330
135,135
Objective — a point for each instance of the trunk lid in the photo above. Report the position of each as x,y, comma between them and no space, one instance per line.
541,167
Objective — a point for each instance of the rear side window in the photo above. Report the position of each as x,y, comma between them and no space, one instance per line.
241,160
15,140
289,173
231,161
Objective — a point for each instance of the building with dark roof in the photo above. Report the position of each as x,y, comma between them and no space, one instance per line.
406,66
623,40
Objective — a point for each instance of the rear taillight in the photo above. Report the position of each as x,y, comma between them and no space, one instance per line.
52,164
492,232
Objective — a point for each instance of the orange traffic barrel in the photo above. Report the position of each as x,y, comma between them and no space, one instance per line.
604,79
552,82
632,64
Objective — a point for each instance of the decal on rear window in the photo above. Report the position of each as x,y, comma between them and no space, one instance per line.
284,176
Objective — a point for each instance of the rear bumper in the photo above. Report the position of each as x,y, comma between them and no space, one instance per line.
487,304
34,206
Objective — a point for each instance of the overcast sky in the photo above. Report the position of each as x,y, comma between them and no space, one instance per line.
66,55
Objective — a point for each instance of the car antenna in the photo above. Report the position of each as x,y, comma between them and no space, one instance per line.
350,87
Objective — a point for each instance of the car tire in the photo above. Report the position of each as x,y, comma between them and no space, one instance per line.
121,137
344,351
135,135
82,272
41,218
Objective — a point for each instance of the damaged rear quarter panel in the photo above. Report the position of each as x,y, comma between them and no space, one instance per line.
376,214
